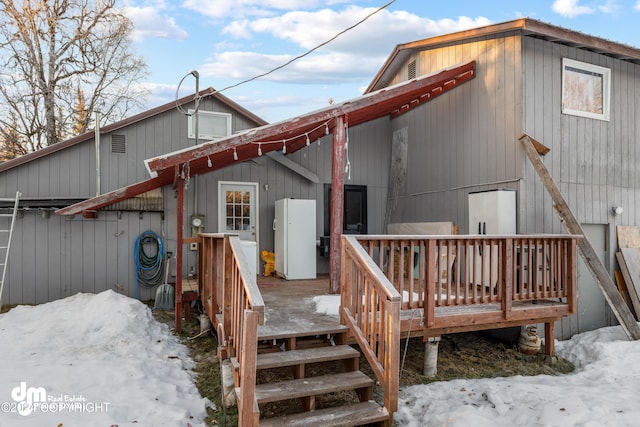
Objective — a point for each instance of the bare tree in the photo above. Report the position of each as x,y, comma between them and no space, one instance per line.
51,51
11,143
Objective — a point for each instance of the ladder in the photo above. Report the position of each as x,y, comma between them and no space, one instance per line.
5,239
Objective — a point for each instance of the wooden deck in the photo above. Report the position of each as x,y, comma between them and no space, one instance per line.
390,286
290,310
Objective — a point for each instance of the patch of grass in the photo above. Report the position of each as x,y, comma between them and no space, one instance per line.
8,307
475,355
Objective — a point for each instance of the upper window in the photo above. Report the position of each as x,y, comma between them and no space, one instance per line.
211,125
585,89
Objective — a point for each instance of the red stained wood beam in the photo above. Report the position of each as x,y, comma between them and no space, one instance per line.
179,251
360,110
337,204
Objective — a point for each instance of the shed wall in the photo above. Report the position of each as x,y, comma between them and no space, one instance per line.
55,257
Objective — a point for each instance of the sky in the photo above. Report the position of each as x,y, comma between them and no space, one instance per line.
107,356
228,41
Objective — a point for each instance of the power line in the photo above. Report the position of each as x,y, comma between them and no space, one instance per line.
381,8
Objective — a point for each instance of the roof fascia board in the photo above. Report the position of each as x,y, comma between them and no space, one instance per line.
526,25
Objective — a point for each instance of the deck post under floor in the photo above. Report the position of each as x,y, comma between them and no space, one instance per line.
549,339
430,368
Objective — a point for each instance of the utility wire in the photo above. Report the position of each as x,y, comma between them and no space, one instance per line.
381,8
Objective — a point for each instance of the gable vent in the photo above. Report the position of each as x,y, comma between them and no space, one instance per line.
411,70
118,144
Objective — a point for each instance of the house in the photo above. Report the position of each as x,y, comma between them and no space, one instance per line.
55,256
441,120
577,94
462,142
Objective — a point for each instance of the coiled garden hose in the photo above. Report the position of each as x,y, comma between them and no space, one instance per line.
149,264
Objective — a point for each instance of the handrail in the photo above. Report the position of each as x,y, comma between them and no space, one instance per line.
370,306
434,272
231,290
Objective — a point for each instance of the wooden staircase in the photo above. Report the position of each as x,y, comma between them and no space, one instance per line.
295,367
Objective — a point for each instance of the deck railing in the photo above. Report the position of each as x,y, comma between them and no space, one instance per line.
226,276
370,306
431,272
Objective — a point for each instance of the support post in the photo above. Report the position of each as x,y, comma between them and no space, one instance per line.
179,250
337,203
549,339
593,263
430,368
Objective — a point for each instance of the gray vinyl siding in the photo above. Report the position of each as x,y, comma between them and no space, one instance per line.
370,157
466,139
55,257
593,161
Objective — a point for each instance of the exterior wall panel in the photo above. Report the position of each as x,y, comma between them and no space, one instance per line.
465,140
594,161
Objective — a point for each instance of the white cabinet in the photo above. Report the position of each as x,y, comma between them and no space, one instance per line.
490,212
295,238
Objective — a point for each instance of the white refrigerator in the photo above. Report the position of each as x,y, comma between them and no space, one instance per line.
294,229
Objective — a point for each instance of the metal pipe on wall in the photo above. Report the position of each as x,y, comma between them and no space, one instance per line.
195,74
97,142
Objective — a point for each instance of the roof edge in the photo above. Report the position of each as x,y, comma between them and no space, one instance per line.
527,26
29,157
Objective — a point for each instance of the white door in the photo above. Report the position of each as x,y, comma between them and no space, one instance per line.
238,209
238,214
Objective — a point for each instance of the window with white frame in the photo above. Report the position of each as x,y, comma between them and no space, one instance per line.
586,89
211,125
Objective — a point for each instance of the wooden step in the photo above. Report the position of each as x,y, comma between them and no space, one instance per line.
310,355
274,331
312,386
342,416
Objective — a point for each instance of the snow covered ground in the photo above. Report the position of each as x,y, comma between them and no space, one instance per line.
103,360
94,360
602,391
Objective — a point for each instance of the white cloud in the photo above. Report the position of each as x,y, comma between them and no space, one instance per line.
246,8
570,8
637,6
149,23
610,7
238,29
353,57
379,33
314,69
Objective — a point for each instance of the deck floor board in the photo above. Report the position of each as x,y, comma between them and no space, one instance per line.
291,312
